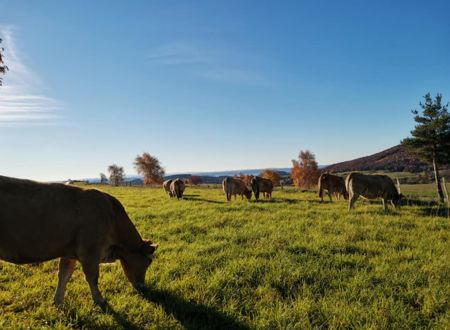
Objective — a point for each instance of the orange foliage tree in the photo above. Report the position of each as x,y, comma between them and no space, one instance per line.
243,177
149,166
195,180
273,176
305,171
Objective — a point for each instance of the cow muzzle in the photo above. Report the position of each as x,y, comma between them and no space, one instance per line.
139,286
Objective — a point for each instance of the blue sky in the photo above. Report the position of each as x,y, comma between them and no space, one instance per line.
212,85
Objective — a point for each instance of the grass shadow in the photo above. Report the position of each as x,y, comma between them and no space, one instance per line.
278,200
191,198
82,323
438,211
189,313
119,318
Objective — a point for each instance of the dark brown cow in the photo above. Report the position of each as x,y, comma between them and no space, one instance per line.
166,186
333,184
177,188
234,186
371,187
261,185
40,222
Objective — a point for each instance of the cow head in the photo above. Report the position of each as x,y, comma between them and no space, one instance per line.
248,194
397,201
135,263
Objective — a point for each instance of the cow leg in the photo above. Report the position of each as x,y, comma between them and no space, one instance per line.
91,272
352,201
329,195
66,268
384,204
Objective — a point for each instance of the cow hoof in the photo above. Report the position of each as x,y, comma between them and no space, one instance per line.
58,303
101,302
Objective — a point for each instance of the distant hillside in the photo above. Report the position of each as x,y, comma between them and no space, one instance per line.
395,159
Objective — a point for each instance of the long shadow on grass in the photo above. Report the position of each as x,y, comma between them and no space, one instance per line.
438,211
120,319
279,200
191,314
191,198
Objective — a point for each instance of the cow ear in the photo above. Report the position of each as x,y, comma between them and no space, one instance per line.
148,248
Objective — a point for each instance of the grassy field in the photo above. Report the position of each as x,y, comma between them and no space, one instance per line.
289,263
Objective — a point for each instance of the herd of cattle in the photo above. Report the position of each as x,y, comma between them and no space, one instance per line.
44,221
355,185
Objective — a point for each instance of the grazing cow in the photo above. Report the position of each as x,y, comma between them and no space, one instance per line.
40,222
177,188
234,186
333,184
166,186
261,185
370,187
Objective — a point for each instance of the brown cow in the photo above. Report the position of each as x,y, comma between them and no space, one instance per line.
166,186
261,185
333,184
40,222
371,187
177,188
234,186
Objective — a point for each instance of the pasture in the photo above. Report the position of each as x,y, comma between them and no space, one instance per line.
291,263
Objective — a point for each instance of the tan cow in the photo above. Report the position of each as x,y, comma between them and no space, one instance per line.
40,222
333,184
166,186
177,188
371,187
234,186
261,185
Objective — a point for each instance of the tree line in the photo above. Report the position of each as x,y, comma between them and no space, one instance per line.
429,141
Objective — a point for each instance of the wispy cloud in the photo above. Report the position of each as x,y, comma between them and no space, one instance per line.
22,102
212,62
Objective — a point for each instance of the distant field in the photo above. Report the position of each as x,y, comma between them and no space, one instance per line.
290,263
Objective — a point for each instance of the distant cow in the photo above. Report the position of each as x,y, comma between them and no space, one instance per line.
371,187
166,186
40,222
234,186
333,184
261,185
177,188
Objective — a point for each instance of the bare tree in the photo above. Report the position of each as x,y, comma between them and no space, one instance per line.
116,174
103,178
149,166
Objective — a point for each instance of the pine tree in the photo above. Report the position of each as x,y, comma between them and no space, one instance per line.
430,139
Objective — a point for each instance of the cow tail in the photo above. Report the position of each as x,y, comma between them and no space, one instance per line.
320,187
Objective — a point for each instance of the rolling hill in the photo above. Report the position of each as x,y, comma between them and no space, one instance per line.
395,159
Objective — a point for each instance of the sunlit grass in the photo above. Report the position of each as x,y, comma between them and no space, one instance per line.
291,262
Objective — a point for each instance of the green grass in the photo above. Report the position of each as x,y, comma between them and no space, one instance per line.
291,263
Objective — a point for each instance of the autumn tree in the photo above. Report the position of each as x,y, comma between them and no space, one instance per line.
3,67
273,176
305,171
430,140
244,177
149,167
116,175
195,180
